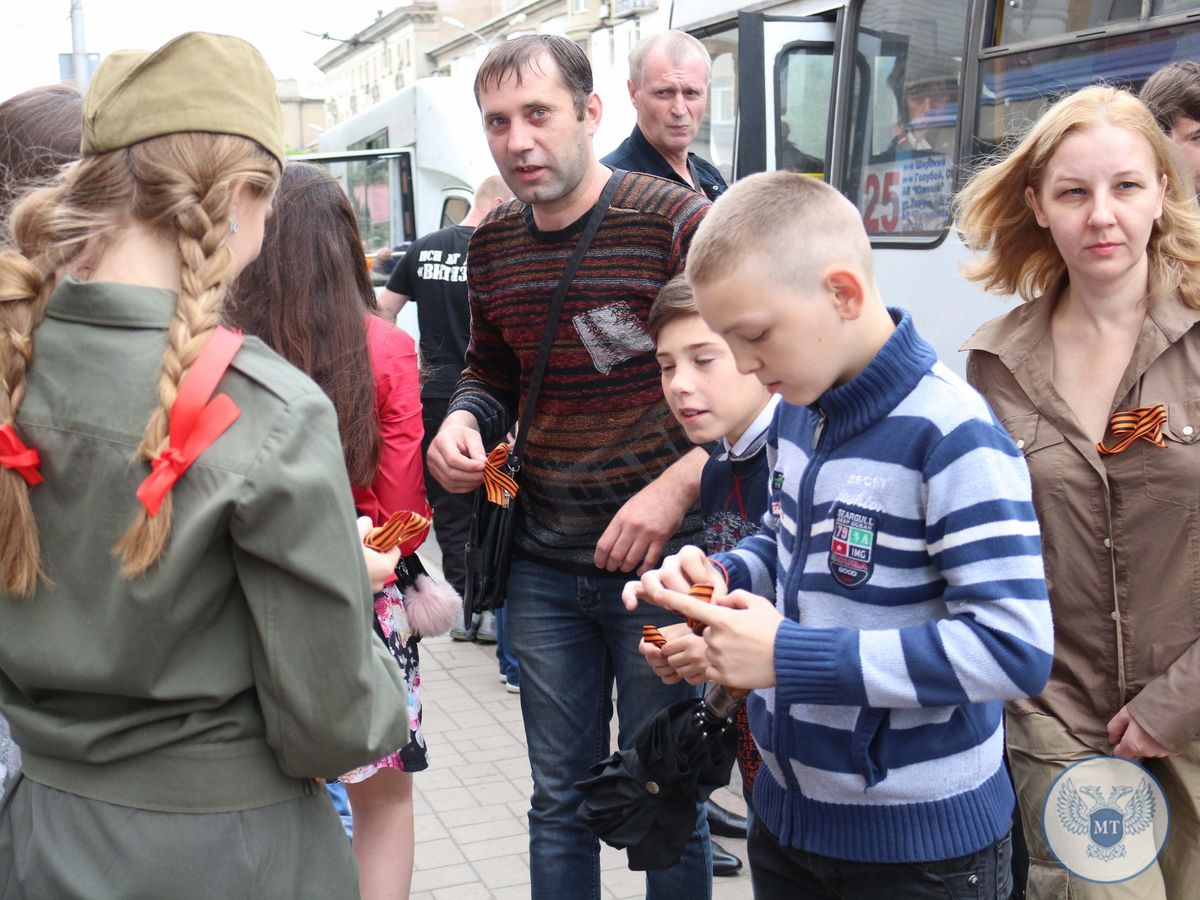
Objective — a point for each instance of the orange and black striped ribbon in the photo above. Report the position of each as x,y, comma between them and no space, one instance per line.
702,591
699,591
401,527
1145,422
651,635
498,484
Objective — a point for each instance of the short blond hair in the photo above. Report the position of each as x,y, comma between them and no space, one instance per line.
794,224
679,46
1020,257
492,188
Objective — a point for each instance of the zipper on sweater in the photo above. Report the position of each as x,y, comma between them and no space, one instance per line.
791,589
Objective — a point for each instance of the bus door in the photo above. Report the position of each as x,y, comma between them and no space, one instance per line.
379,184
785,77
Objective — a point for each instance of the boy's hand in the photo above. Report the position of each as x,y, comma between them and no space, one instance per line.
656,656
739,636
678,573
681,658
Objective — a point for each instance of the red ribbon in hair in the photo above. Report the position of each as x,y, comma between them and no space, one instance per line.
15,455
195,420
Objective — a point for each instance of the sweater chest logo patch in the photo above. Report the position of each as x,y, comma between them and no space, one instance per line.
612,334
777,495
852,547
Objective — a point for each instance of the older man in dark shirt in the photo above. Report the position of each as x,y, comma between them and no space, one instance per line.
669,75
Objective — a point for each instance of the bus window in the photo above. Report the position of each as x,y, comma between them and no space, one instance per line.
379,185
454,210
1014,88
1030,20
714,141
904,114
368,184
803,88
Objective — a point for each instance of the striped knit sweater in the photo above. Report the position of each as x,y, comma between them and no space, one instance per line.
601,430
901,546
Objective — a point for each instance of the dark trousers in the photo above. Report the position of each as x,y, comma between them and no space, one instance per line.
785,873
451,512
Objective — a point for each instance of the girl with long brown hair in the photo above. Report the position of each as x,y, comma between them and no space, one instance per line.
180,579
309,296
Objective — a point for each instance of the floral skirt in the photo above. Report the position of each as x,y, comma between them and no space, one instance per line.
391,624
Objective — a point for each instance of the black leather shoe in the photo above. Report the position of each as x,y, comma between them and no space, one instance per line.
724,823
724,862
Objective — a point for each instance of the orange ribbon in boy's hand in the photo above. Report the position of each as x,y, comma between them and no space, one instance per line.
702,591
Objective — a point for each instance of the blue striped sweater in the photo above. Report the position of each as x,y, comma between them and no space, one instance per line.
901,546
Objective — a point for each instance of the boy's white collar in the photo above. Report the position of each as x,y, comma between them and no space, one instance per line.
760,424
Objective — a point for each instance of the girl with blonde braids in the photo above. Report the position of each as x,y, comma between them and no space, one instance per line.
181,582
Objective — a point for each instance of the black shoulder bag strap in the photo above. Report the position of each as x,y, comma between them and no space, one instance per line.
555,311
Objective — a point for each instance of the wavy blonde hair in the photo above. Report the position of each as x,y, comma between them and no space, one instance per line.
179,185
1020,257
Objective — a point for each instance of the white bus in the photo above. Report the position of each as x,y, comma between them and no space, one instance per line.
894,102
411,163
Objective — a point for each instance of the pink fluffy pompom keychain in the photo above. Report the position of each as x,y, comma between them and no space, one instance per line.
431,606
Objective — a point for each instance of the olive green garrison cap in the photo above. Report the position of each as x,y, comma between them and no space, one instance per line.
195,82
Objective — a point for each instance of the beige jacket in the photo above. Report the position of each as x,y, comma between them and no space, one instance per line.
1121,533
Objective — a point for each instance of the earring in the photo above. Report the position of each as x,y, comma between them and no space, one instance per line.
233,226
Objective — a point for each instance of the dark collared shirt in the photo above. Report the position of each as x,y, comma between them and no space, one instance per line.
636,154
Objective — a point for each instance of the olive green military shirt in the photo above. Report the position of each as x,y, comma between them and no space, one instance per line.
242,665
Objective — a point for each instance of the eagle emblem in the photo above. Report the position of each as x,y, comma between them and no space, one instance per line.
1106,820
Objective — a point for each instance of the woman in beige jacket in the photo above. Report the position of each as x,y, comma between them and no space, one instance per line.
1092,222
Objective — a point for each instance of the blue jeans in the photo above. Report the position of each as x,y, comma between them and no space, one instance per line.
572,637
341,804
509,667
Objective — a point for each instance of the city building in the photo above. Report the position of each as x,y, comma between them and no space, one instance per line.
451,37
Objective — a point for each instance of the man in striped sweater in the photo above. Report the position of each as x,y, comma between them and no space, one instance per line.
609,478
902,551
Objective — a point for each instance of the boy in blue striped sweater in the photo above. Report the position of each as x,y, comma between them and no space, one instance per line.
903,556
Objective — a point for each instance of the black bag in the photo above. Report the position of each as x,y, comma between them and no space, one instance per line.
489,542
494,517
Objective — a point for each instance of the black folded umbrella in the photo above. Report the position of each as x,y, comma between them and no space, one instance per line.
646,798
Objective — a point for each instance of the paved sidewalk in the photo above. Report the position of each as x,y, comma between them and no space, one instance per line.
471,803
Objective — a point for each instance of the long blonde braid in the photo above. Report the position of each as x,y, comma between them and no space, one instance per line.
193,177
49,227
22,304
